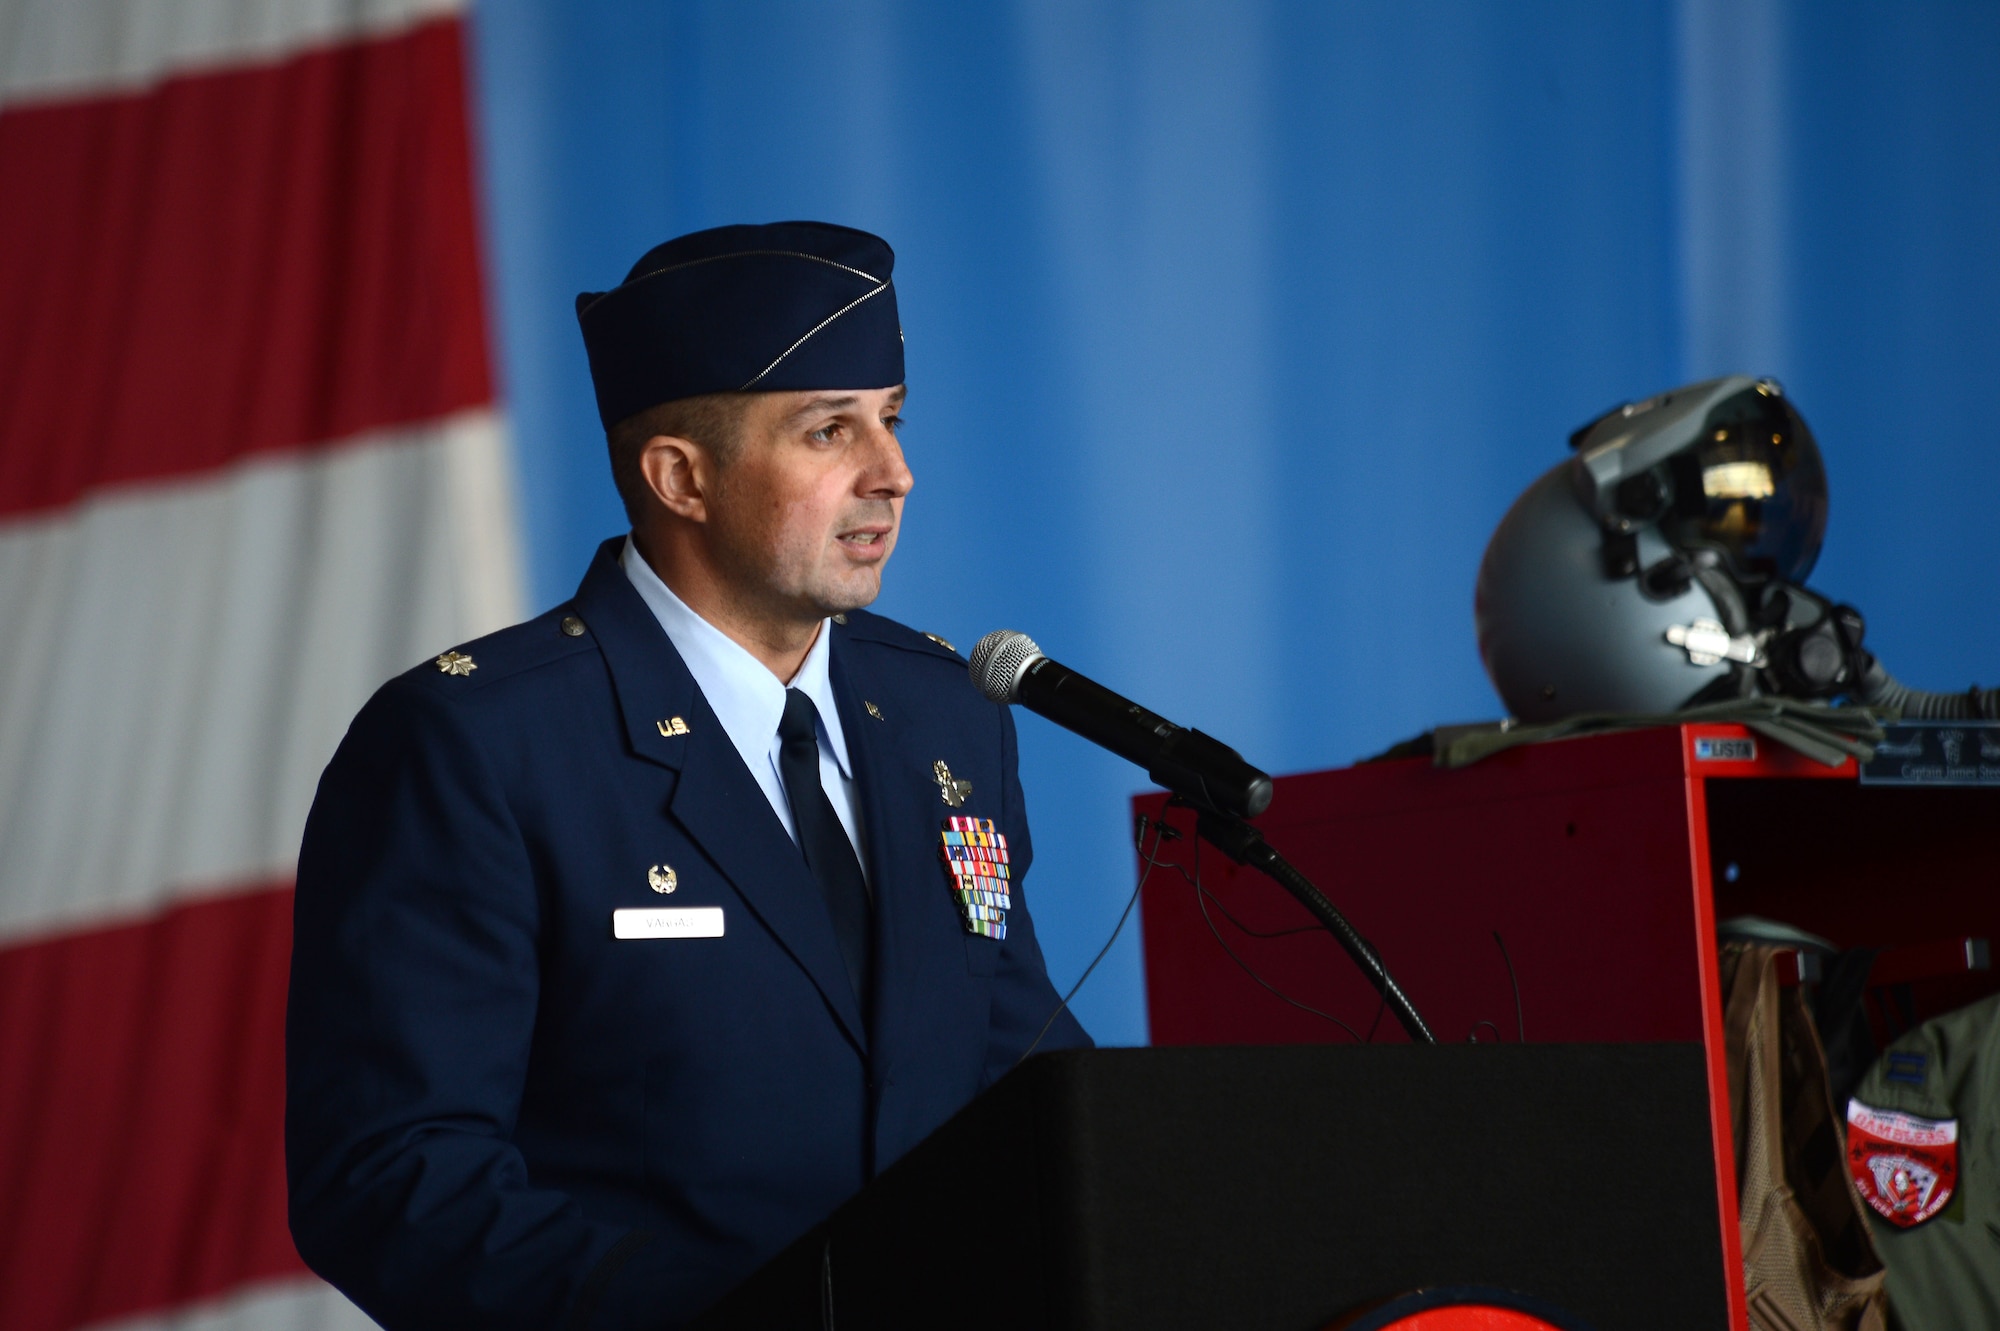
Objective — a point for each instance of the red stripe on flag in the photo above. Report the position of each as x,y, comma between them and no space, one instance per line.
142,1120
259,259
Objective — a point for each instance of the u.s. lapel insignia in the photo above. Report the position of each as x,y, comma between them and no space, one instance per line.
872,710
672,727
662,878
980,878
456,663
953,792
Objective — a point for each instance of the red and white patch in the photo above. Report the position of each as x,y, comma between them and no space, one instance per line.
1904,1166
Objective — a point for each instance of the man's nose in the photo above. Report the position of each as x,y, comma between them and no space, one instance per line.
888,474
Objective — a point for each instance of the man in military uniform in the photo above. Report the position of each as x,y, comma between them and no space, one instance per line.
632,939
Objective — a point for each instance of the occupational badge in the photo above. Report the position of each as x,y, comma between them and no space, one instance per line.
662,878
976,855
952,791
1904,1166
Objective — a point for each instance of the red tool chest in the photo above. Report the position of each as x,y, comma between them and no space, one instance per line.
1595,868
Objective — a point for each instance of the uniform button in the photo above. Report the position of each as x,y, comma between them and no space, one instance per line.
572,626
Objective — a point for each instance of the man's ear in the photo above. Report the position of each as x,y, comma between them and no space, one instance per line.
680,474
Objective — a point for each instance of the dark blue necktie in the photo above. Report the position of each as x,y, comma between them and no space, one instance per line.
829,854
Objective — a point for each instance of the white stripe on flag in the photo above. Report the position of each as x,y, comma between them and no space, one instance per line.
179,660
81,48
304,1304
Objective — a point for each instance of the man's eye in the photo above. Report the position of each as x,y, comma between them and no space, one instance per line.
895,424
825,433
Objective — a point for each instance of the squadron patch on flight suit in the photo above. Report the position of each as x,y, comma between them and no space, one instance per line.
977,858
1904,1166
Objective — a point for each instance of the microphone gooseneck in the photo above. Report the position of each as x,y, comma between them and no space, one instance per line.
1226,791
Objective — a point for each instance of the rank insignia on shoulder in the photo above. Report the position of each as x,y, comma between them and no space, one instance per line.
952,791
1907,1068
456,663
980,877
1905,1167
940,642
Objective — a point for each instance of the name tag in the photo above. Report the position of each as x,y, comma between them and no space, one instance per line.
652,922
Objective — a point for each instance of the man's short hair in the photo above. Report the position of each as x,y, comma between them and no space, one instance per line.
713,420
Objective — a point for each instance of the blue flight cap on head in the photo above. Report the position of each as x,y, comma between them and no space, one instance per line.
788,305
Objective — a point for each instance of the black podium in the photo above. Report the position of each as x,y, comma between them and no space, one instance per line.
1280,1188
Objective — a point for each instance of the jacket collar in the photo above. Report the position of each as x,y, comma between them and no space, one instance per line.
739,688
715,798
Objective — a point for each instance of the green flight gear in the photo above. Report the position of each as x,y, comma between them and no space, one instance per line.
1944,1271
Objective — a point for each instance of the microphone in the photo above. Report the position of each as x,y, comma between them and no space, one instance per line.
1008,667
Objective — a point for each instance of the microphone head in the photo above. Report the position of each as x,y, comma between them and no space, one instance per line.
999,661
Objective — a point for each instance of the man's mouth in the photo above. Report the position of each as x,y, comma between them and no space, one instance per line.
864,540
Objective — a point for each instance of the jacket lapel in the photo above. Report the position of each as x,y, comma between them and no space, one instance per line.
715,799
901,846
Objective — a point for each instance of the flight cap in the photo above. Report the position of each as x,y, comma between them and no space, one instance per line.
781,306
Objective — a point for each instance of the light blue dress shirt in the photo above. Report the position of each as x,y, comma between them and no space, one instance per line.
749,700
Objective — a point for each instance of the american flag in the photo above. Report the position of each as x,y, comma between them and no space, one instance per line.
251,465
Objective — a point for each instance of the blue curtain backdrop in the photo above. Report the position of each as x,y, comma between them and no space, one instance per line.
1234,328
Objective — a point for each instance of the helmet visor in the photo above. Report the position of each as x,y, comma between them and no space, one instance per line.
1753,488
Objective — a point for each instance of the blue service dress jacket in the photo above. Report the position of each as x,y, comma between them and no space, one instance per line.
498,1114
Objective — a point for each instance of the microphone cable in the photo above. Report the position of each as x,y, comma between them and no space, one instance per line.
1205,897
1201,899
1150,860
1139,843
